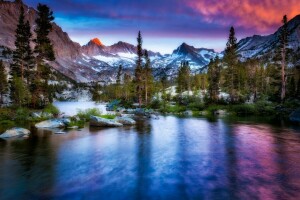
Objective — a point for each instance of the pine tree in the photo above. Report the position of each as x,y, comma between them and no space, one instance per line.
44,51
284,34
231,71
3,81
214,79
119,74
183,79
20,95
139,70
22,56
148,78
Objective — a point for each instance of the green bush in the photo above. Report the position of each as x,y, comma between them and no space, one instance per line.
79,123
5,125
22,114
50,108
243,109
174,109
213,108
86,114
265,108
196,106
6,114
155,104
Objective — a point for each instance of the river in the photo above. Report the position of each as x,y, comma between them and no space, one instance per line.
165,158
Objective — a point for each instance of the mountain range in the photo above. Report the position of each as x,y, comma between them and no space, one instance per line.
97,62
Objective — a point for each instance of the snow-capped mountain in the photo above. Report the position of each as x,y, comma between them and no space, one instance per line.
109,58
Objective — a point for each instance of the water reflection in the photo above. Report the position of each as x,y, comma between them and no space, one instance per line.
176,158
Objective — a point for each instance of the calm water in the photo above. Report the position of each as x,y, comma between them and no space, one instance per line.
169,158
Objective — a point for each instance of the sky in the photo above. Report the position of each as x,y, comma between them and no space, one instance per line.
165,24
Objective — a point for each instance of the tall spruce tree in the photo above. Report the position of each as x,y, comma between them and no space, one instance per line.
231,71
183,79
22,56
3,81
214,79
148,78
119,74
44,51
139,70
284,34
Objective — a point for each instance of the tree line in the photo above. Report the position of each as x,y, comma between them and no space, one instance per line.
29,70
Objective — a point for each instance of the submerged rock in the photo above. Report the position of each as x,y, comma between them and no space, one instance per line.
15,132
125,120
101,122
52,123
295,116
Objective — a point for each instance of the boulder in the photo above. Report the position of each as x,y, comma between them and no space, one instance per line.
125,120
295,116
15,132
51,123
188,113
101,122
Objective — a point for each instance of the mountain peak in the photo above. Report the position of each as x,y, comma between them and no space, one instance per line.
97,42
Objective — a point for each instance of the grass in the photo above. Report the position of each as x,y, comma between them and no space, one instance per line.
51,109
86,114
5,125
108,116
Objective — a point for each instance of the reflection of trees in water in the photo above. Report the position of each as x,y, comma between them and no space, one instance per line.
31,162
284,163
144,145
232,166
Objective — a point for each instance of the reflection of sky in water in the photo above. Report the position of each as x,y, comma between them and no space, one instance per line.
176,158
71,108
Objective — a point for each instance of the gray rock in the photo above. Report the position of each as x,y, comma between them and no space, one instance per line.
51,123
36,114
125,120
295,116
15,132
188,113
101,122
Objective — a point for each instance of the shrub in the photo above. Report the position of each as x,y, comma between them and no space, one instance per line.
5,125
174,109
264,108
6,114
50,108
243,109
22,114
155,104
86,114
196,106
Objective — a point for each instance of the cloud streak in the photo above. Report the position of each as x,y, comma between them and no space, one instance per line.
261,15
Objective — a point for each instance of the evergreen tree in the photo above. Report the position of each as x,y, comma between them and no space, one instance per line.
22,56
284,34
44,51
231,71
183,79
3,81
20,95
214,79
119,74
139,70
148,78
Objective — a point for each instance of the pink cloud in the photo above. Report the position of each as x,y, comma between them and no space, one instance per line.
261,15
